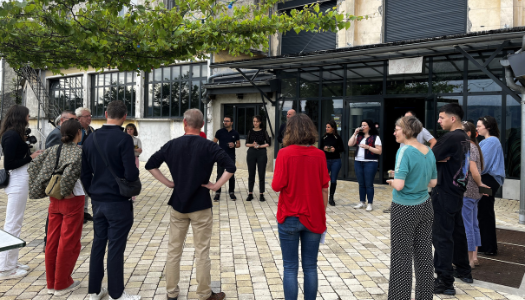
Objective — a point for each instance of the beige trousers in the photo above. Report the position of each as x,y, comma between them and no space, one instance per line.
201,222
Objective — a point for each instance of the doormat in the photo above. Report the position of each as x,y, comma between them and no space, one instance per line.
508,267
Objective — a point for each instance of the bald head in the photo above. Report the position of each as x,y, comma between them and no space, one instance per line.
290,113
194,118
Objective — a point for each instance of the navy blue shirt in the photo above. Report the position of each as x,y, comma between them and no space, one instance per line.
190,160
224,136
117,146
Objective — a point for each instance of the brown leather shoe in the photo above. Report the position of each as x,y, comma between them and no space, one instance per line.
217,296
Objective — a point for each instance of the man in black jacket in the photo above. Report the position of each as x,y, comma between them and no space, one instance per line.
190,160
112,212
282,129
55,137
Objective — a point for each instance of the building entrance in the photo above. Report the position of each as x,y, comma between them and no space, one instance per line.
394,109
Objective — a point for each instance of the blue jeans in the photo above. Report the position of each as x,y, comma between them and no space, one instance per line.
334,166
365,171
289,234
470,219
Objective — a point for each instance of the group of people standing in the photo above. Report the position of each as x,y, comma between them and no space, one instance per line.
456,167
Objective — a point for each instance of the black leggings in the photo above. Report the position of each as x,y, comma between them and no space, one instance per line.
256,158
487,217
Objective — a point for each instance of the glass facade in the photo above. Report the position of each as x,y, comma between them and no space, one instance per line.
334,91
243,114
113,86
67,92
170,91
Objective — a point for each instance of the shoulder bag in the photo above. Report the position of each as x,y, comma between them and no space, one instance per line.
53,187
4,177
126,188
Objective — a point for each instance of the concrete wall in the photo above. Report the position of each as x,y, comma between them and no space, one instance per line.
216,122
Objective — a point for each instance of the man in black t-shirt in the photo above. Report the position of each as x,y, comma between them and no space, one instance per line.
228,139
448,232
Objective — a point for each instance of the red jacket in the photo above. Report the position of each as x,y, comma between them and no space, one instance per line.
300,175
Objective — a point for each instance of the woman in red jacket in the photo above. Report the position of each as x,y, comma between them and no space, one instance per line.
301,177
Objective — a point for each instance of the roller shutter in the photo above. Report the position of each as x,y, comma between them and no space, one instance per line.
419,19
303,42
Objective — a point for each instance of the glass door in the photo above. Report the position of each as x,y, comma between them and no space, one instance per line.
356,113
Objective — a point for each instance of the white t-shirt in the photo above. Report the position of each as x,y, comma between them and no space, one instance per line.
78,190
423,137
361,151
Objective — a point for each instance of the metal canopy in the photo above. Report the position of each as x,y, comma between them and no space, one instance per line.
475,41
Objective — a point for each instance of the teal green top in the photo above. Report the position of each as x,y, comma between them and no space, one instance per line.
416,169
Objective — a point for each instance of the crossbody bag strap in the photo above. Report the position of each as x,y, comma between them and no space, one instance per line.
58,157
102,155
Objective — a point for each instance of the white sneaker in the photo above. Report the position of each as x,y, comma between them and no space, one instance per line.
75,285
125,296
369,207
102,294
12,274
23,267
360,205
50,291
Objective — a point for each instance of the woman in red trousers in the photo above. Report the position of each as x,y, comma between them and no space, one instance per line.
66,215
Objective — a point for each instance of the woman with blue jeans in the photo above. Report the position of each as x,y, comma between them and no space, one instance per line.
332,145
472,195
366,160
301,177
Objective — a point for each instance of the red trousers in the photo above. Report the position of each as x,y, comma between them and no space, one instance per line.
66,217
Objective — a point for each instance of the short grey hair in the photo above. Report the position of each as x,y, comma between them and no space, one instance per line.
57,120
194,118
79,111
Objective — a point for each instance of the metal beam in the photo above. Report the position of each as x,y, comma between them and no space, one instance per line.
498,50
503,86
263,95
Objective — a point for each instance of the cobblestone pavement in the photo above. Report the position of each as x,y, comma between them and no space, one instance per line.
246,257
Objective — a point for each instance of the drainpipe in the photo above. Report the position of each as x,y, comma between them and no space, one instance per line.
509,76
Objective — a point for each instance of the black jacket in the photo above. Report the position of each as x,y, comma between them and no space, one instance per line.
16,151
98,181
54,138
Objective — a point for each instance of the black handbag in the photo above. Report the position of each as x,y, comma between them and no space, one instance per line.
4,178
126,188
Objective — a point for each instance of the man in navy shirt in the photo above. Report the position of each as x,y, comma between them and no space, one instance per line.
190,160
112,212
228,139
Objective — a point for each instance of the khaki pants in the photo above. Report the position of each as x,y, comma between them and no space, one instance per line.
201,221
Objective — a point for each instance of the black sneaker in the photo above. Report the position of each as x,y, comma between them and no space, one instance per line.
232,196
464,278
441,288
87,217
261,198
250,197
217,197
331,201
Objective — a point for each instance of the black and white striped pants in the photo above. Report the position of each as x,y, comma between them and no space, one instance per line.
411,239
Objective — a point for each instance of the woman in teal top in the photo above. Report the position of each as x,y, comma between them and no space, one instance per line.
412,214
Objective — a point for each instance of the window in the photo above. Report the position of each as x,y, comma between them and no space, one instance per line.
243,114
512,138
67,92
169,4
113,86
170,91
127,9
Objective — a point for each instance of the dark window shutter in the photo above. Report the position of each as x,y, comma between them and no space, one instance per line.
303,42
419,19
